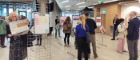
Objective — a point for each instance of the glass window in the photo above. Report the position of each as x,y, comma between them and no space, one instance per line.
10,10
4,12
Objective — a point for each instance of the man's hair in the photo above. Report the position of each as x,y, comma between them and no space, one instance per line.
134,13
86,14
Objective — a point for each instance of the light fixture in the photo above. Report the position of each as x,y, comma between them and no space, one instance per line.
67,6
110,1
82,6
95,4
90,7
65,1
80,3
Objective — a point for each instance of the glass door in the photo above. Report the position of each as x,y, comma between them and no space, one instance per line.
24,13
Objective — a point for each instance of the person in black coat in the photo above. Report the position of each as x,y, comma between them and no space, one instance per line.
115,23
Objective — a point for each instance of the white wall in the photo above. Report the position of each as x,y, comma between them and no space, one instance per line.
125,9
102,9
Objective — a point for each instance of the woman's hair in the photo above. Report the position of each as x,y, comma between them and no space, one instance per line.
121,20
10,16
22,17
82,18
67,21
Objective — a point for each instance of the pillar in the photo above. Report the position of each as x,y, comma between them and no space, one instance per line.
7,9
43,5
14,7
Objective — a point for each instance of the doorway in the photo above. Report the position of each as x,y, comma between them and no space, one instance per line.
24,13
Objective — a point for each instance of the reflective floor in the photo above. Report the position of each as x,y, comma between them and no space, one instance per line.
53,49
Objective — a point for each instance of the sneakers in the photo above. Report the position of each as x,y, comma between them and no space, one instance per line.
112,39
95,56
3,46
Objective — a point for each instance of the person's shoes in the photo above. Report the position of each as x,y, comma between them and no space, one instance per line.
112,39
119,52
124,51
36,44
65,45
60,36
95,56
3,46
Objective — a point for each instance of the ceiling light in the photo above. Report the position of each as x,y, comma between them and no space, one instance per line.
80,3
109,1
67,6
90,7
82,6
65,1
95,4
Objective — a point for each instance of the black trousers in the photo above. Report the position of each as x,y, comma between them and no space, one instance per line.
2,39
67,35
88,48
39,37
82,47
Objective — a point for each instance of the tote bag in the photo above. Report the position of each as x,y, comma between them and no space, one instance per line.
88,37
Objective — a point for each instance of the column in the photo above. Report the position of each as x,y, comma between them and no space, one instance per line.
7,7
43,5
14,7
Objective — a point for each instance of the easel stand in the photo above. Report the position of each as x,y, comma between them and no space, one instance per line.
103,41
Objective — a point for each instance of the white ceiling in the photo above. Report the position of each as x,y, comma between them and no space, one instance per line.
73,6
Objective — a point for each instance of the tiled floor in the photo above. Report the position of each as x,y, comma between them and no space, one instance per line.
53,49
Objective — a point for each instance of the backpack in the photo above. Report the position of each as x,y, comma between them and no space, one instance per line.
65,27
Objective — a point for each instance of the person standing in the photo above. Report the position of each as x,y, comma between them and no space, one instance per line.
133,36
92,26
121,36
15,52
57,23
115,23
81,30
3,32
67,30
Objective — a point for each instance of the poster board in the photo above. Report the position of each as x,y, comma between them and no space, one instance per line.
41,24
75,21
19,26
62,20
102,29
98,21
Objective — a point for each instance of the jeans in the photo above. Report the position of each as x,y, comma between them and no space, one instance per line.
56,32
133,49
115,27
2,39
67,35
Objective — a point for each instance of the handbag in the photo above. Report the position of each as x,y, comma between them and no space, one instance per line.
88,37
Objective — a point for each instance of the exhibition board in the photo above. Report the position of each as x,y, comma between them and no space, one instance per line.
41,23
75,21
62,20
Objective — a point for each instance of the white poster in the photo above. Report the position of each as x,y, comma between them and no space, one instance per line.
98,21
75,21
62,20
19,26
41,24
102,29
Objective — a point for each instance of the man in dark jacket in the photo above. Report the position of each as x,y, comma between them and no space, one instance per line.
115,23
57,22
92,26
133,36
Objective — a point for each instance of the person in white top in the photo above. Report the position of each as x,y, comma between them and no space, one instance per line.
121,36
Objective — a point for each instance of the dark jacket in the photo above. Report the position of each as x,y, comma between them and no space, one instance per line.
57,21
133,29
92,25
117,22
